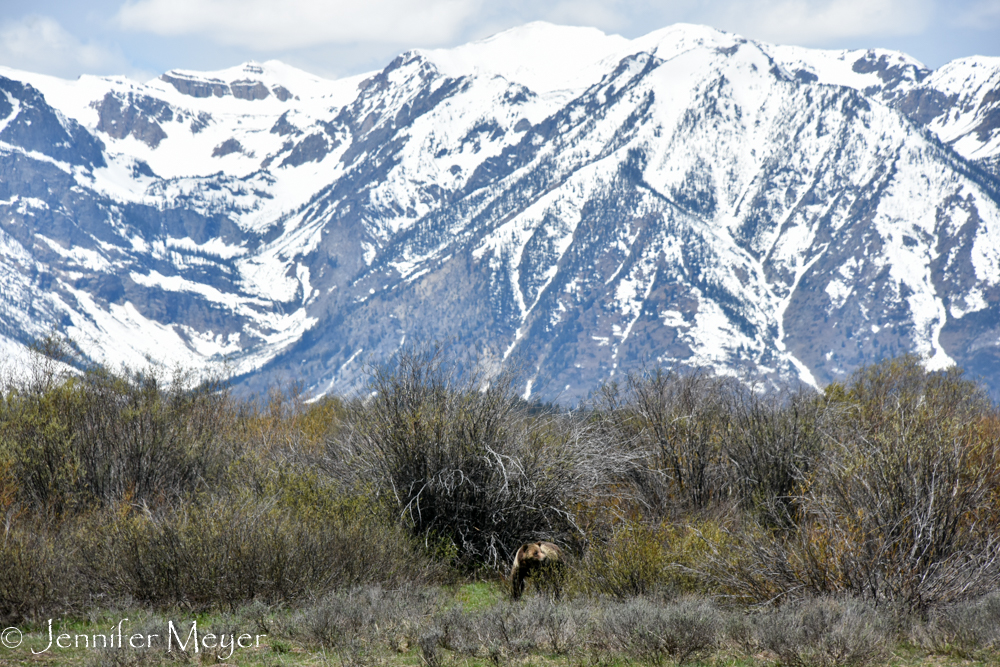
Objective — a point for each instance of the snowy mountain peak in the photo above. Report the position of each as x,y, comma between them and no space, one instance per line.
248,81
872,69
580,202
672,40
540,56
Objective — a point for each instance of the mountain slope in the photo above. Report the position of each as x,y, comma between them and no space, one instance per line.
579,204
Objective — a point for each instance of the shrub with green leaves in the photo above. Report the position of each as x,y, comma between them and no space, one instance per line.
78,442
632,562
901,508
39,574
225,551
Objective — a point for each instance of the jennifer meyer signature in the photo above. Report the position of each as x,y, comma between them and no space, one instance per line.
176,637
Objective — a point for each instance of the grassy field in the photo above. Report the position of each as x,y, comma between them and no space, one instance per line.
474,624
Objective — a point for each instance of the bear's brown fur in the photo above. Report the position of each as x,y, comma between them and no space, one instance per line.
532,559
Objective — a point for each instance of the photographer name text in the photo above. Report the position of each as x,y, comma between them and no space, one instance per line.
180,636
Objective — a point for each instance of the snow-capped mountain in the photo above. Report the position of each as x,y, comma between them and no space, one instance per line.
578,203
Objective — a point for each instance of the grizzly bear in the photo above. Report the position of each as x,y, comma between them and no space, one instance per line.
534,559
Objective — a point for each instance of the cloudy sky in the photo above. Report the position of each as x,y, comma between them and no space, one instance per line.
143,38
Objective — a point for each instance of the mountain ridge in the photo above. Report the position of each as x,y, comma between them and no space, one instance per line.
707,201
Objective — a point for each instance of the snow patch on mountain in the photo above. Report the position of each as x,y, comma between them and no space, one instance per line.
545,58
689,196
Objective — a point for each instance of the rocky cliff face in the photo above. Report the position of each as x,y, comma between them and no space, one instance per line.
575,203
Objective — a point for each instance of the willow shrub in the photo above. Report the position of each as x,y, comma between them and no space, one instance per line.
72,443
39,573
901,509
680,424
465,463
638,558
228,550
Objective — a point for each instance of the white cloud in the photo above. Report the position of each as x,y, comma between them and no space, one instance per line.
40,44
821,22
266,25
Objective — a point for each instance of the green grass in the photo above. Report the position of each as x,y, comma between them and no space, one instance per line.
478,595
